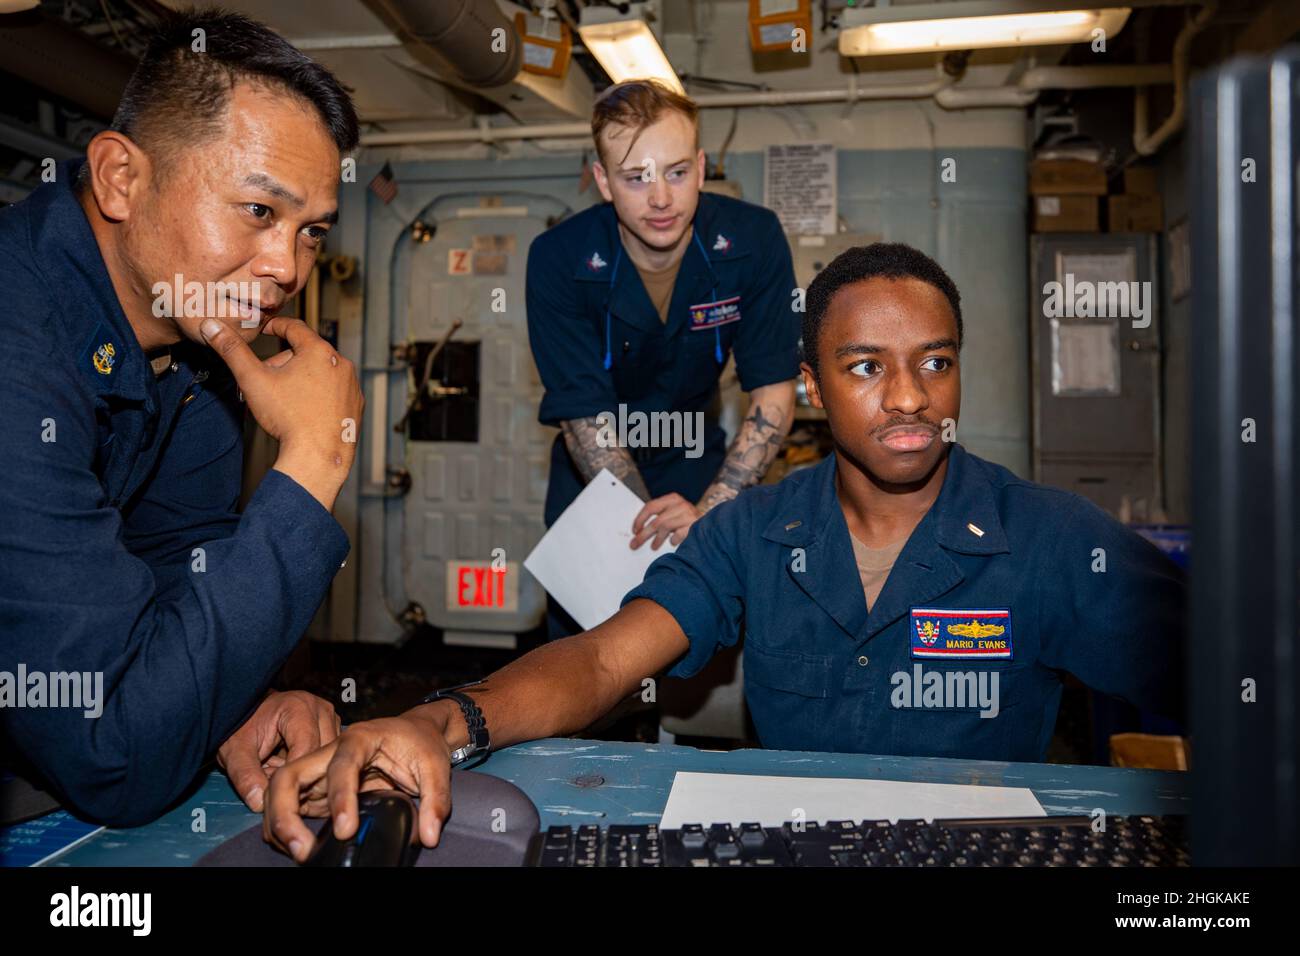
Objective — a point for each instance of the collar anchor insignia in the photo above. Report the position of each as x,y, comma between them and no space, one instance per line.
104,358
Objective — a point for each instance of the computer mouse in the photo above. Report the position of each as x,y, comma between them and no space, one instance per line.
492,823
386,834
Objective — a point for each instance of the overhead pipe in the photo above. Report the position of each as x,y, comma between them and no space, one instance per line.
491,134
942,89
1039,78
35,143
854,93
1091,77
366,41
458,35
978,97
1146,143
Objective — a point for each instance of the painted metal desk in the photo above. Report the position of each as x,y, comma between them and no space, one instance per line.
583,781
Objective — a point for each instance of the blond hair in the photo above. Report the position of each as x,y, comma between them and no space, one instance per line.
638,104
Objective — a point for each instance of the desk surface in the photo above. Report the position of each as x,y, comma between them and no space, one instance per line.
584,781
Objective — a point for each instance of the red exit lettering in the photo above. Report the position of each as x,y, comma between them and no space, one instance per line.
487,584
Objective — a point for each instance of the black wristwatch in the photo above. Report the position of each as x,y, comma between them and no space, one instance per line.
479,742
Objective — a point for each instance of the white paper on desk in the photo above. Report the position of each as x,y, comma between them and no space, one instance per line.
744,798
583,560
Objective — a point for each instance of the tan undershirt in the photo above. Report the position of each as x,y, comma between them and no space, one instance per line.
659,285
874,565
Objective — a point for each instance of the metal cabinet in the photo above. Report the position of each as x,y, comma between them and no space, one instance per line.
1096,369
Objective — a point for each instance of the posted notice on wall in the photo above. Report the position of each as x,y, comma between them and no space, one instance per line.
799,185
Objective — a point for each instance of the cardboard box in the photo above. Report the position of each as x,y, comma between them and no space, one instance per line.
1067,214
1141,181
1128,213
1066,177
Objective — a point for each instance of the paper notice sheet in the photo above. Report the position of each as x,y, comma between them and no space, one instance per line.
583,560
744,798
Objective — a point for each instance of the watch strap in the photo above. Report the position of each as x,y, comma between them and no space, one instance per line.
480,741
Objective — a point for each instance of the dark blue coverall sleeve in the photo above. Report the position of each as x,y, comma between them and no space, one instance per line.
1121,631
767,344
183,665
567,347
702,584
193,498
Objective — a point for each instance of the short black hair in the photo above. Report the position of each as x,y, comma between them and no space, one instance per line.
178,94
886,260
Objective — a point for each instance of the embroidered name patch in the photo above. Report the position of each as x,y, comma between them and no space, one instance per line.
708,315
957,635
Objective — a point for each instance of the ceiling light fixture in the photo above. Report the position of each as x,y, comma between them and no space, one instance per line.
973,24
625,46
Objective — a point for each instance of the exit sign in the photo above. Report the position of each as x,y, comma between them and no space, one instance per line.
478,586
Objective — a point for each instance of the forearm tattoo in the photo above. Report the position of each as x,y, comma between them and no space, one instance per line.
588,454
751,454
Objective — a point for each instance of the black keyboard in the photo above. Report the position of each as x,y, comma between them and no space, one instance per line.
1026,841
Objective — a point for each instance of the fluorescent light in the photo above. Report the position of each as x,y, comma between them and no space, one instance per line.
930,27
625,47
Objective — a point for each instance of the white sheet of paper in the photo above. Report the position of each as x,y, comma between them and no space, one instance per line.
743,798
583,560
